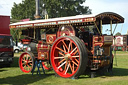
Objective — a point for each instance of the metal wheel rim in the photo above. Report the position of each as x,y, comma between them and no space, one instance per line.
63,65
26,62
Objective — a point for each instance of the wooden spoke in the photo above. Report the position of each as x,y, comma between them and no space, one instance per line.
23,59
75,56
23,63
30,58
31,64
65,45
70,67
60,49
65,66
75,63
73,50
29,67
58,57
25,67
67,69
61,61
64,49
61,53
26,57
61,64
69,46
29,61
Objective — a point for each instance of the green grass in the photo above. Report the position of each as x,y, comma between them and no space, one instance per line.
13,75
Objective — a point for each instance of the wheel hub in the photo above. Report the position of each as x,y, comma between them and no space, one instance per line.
26,62
67,56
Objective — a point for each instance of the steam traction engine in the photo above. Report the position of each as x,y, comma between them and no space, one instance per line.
69,45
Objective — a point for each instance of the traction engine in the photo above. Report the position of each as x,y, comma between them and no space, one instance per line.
71,46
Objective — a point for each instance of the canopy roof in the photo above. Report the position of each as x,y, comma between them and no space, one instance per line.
105,17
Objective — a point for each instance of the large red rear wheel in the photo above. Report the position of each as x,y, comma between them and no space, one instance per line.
69,56
26,62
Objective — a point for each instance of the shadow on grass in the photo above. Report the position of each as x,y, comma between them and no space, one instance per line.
2,70
120,72
15,62
23,79
103,74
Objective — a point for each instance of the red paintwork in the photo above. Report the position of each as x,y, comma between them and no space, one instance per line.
50,38
56,61
6,49
43,50
25,62
26,41
4,25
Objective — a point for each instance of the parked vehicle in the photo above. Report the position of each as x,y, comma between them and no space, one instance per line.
6,42
18,48
71,45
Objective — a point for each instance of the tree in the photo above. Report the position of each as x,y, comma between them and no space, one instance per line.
54,8
61,8
24,10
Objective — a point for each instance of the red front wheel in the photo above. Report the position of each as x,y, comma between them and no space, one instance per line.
68,57
26,62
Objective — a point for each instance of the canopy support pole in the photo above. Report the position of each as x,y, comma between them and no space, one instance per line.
111,26
115,28
34,33
97,28
101,25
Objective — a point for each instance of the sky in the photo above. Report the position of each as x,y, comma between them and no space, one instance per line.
117,6
97,6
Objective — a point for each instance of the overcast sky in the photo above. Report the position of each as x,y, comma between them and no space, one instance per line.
97,6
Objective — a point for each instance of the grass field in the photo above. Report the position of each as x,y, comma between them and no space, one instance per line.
13,75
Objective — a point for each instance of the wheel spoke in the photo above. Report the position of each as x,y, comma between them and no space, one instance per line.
67,69
58,57
69,46
71,67
23,59
60,49
30,58
73,50
64,49
65,45
61,53
29,61
65,66
23,63
75,56
26,57
31,64
61,64
75,63
29,67
61,61
25,67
